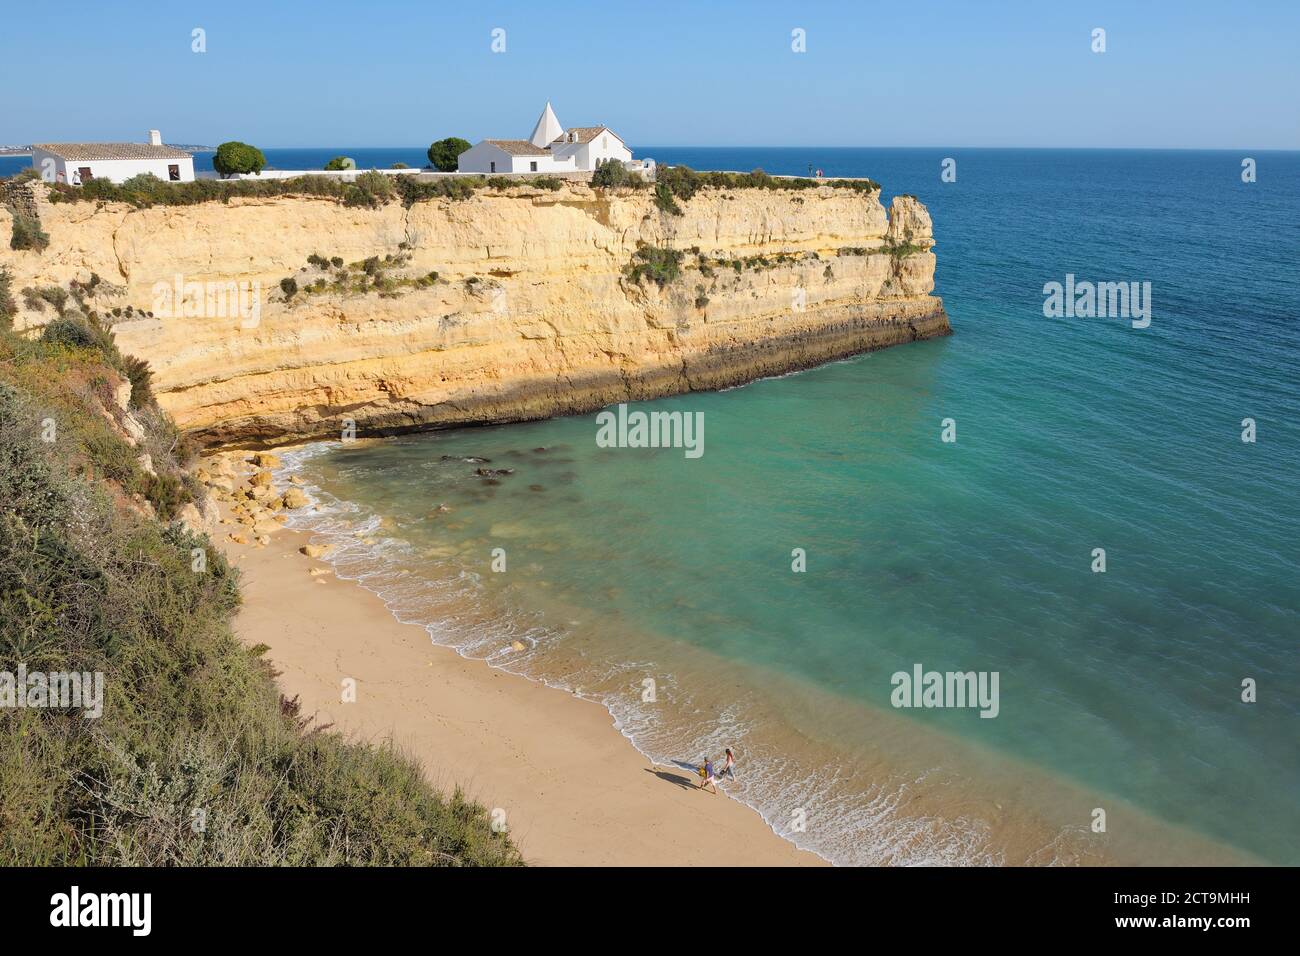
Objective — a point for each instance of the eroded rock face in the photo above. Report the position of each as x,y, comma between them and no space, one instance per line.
909,222
531,315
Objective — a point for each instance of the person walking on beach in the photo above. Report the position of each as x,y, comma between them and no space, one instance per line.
728,768
707,779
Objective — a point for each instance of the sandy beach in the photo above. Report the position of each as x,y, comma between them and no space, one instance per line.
574,791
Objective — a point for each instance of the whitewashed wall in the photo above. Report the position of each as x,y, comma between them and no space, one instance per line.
115,170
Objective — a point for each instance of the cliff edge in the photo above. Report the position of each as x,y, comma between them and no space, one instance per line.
278,318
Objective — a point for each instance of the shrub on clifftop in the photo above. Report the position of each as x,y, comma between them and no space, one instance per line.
610,172
236,157
445,154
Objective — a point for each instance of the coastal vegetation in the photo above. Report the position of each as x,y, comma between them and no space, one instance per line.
445,153
8,306
899,250
194,758
374,274
373,189
368,189
610,173
28,234
664,266
341,162
683,182
665,201
660,266
236,157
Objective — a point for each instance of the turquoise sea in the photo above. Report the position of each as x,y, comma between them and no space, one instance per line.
1119,691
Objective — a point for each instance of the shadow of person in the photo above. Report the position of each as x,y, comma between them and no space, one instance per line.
668,777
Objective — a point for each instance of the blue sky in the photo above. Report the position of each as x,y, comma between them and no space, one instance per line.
901,73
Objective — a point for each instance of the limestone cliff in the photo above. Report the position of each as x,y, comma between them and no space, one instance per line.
532,311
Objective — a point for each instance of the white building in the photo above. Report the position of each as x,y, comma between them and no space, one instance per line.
551,149
79,163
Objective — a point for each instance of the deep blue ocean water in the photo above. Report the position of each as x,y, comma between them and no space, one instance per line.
1072,434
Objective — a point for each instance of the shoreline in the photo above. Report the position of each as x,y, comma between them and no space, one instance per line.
519,734
574,790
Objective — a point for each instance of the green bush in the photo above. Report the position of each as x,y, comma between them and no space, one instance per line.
140,375
8,306
341,162
664,199
902,250
375,186
28,234
661,266
236,157
445,153
413,190
55,296
289,286
549,183
65,330
610,172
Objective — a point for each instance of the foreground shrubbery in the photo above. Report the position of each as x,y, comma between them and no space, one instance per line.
196,758
8,305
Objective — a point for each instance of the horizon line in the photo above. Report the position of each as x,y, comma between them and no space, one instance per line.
1170,149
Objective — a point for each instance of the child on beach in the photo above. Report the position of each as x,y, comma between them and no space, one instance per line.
728,767
707,779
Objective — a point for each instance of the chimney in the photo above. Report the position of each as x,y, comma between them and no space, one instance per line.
155,138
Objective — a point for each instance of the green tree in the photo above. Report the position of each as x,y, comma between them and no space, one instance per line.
610,172
237,157
341,162
445,154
